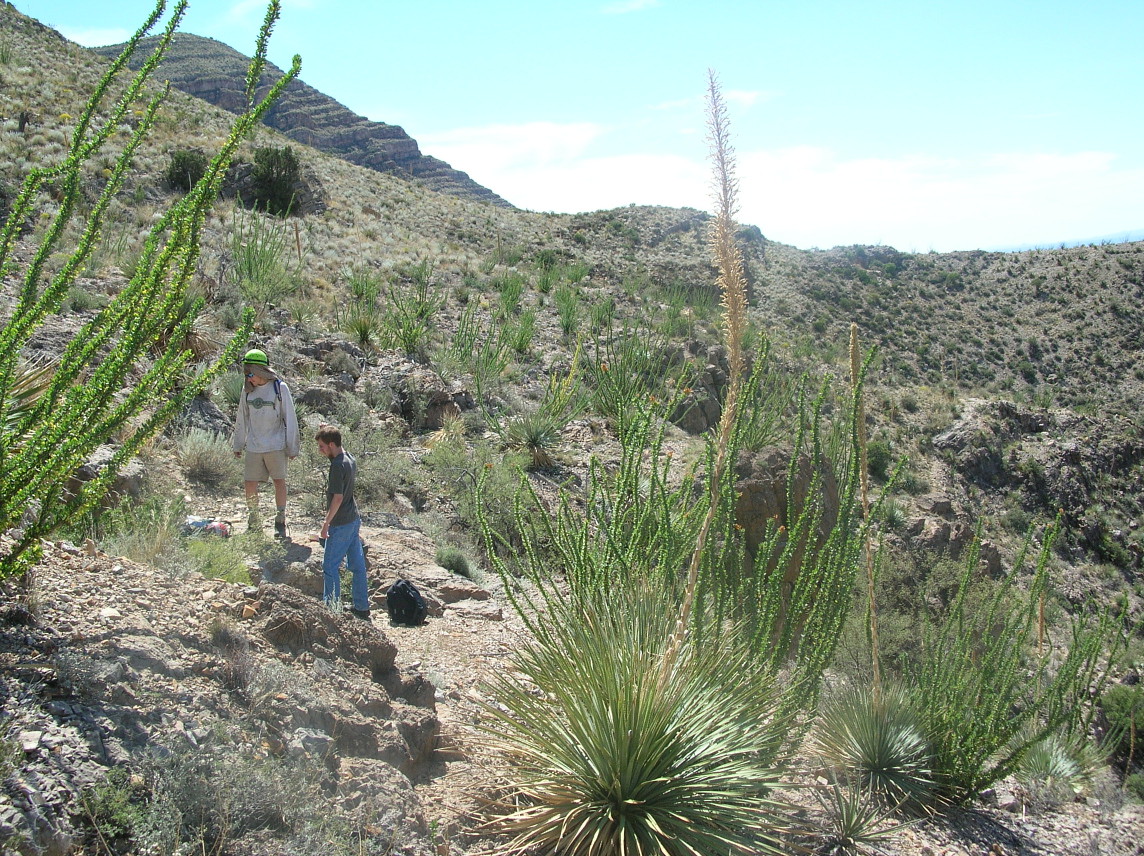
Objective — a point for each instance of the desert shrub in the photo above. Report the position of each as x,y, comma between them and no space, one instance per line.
383,470
115,806
546,259
451,558
459,466
147,531
81,300
880,456
218,558
1123,707
131,358
276,173
185,169
205,800
207,458
1134,784
986,689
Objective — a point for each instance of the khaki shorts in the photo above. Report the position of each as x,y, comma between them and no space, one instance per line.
260,466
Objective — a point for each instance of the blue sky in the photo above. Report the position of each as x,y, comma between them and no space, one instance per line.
923,125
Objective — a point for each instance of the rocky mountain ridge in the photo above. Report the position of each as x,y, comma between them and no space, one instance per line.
214,72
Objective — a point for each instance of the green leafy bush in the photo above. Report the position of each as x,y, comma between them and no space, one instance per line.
276,174
1123,707
187,166
451,558
986,691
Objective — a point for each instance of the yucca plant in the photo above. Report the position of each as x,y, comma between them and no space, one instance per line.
878,742
230,385
538,432
1058,768
365,325
857,820
29,382
611,760
109,381
260,248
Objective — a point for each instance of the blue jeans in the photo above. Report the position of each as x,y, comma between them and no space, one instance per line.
344,542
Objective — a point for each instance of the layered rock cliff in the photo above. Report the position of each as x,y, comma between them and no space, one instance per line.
211,70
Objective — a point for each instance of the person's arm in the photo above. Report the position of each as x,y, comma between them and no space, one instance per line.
238,441
291,418
336,490
335,504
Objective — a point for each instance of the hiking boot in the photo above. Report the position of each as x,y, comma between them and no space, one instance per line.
363,614
280,529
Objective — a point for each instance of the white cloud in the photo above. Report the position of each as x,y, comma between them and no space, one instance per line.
549,167
513,146
813,197
97,37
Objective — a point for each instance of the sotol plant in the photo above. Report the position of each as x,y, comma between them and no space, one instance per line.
116,377
665,733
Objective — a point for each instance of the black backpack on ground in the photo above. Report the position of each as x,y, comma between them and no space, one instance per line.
405,604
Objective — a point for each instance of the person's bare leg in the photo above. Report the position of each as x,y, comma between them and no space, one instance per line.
280,508
253,518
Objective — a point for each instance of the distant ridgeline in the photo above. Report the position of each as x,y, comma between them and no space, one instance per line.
216,73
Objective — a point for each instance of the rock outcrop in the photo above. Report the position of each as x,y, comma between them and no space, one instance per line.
216,73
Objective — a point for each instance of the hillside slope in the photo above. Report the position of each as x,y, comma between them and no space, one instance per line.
210,70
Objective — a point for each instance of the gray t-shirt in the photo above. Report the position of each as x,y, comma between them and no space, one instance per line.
343,474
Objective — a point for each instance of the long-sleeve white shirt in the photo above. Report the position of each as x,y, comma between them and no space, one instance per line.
266,420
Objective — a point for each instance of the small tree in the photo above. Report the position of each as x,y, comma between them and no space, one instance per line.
125,373
185,169
276,172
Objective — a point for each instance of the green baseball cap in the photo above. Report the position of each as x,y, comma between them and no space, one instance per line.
256,357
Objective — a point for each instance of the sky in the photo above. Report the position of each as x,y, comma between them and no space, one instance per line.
919,124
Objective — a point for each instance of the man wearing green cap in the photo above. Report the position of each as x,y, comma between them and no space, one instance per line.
267,429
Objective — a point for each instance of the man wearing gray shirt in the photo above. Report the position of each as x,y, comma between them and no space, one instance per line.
341,530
